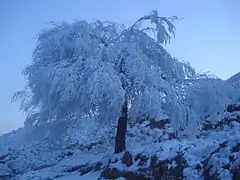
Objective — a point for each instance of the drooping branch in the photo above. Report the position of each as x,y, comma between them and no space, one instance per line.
163,36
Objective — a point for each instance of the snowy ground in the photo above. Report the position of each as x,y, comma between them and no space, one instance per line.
84,154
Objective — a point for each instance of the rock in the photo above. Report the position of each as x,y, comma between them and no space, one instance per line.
198,167
160,124
207,126
137,157
167,169
5,172
236,148
236,175
86,170
98,166
4,158
78,168
234,162
127,159
154,160
233,108
143,160
114,173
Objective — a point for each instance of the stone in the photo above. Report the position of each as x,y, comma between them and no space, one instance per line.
5,172
127,159
233,108
143,160
160,124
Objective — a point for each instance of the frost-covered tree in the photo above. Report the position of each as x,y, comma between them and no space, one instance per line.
207,99
109,72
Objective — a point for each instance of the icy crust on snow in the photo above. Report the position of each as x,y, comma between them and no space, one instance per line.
33,157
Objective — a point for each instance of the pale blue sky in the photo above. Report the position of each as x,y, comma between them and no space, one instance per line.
208,37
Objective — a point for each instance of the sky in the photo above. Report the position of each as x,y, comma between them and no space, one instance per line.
208,37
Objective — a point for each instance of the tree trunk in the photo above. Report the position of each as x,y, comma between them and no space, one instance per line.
120,140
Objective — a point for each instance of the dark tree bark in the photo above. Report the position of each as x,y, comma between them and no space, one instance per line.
120,140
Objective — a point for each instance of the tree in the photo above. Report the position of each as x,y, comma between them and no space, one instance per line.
108,72
100,69
162,37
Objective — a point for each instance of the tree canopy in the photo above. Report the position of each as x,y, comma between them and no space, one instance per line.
90,68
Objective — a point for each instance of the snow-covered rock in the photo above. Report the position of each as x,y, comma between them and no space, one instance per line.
5,172
234,80
152,151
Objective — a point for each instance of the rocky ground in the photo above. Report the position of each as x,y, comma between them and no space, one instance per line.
153,152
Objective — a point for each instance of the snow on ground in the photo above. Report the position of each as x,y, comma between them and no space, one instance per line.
75,176
234,80
30,156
